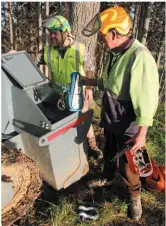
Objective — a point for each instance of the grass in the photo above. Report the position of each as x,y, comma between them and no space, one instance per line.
156,136
60,208
64,212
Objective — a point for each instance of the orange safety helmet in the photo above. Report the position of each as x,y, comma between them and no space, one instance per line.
113,18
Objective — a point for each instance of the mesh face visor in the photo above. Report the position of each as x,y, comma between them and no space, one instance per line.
93,26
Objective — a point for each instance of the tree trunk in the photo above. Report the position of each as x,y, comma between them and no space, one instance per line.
162,86
141,21
16,26
3,25
81,13
148,9
46,68
136,19
30,33
160,53
10,24
39,31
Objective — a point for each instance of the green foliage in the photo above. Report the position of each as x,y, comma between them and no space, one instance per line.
156,136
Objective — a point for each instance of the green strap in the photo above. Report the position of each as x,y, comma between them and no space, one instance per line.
49,63
77,56
49,57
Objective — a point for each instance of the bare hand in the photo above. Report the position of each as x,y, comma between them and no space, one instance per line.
138,140
12,51
88,94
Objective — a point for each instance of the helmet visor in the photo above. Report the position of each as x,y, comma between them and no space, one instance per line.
93,26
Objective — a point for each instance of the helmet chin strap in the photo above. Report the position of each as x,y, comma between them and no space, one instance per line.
63,40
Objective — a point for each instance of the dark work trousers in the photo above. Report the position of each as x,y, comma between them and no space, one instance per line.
114,144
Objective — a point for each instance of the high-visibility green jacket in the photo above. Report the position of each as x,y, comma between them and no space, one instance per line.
131,81
61,68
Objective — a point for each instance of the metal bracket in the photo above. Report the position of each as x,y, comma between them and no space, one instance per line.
47,138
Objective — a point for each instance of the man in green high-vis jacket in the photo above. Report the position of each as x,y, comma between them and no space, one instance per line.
130,83
63,55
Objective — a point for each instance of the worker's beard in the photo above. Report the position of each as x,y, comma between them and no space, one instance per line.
53,42
64,42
